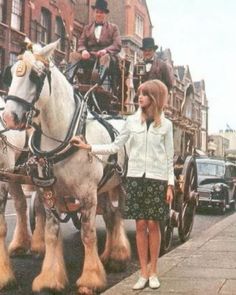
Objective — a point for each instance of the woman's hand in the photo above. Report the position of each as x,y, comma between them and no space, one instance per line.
169,194
78,142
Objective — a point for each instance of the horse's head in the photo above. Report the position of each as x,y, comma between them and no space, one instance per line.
26,81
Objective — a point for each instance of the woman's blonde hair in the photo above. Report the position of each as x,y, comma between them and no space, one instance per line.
158,93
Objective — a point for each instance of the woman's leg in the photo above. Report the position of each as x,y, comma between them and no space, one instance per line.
154,244
142,246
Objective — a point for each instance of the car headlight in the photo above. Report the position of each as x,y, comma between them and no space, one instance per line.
217,187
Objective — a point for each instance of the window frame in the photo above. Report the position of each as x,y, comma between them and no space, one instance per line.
45,26
17,14
139,25
3,11
60,32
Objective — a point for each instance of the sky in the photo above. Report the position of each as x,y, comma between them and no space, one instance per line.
202,35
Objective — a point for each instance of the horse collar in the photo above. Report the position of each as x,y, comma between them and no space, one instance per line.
64,149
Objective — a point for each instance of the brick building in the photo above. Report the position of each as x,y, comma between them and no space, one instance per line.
133,19
187,109
41,21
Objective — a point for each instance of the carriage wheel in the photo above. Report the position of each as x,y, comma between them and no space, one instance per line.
166,236
189,203
32,213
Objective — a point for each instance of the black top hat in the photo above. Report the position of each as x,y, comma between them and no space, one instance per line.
148,43
101,5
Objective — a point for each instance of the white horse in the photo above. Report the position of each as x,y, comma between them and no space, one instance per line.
11,146
38,85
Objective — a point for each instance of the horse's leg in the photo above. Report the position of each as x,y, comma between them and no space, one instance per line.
93,277
53,273
117,248
6,273
37,240
21,238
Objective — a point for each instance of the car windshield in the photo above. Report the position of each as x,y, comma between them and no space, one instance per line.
210,169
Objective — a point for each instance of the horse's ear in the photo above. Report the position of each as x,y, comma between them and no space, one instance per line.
48,50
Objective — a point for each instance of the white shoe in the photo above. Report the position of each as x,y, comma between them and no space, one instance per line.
154,282
141,283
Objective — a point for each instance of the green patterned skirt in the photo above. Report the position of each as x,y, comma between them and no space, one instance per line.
145,199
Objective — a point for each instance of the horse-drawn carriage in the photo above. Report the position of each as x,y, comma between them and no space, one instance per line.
118,99
68,179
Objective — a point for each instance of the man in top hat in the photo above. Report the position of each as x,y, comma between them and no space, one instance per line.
152,67
99,39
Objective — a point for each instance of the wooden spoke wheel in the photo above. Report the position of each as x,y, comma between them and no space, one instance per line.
189,200
166,236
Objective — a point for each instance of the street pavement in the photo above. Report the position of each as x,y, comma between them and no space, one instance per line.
203,265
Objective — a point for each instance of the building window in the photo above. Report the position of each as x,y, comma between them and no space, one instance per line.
13,58
139,26
45,26
60,33
2,11
17,14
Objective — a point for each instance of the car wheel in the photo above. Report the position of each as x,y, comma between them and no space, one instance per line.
223,208
166,236
233,205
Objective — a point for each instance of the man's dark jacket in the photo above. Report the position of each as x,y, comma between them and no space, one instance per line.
159,70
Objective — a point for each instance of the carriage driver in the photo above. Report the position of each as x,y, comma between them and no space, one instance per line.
100,39
154,67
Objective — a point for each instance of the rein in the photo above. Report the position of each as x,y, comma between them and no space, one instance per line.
12,146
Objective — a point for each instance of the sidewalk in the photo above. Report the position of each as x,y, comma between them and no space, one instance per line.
203,265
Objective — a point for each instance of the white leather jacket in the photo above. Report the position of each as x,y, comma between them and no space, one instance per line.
150,151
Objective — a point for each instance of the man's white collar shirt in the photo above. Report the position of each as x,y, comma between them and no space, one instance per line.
148,67
97,32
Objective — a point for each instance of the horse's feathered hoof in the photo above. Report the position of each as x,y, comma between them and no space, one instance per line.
86,291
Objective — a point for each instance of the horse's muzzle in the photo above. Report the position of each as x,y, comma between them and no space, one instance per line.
12,121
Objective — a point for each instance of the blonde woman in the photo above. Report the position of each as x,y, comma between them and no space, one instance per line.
150,176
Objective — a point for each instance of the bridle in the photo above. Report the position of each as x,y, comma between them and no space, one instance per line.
37,76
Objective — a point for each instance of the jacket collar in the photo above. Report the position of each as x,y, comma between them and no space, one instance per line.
139,112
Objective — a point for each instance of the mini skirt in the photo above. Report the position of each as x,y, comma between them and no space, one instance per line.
145,199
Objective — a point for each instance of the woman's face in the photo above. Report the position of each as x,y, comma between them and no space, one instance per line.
144,100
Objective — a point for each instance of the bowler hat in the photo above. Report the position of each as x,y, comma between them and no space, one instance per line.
101,5
148,43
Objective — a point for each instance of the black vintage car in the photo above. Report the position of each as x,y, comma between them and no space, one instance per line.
216,183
